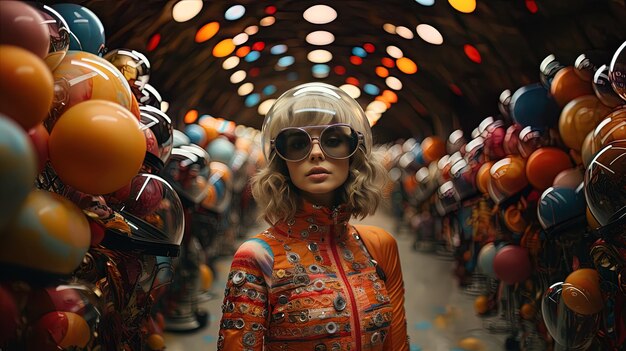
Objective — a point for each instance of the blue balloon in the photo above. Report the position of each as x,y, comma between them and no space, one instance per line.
87,31
18,168
486,256
222,150
532,105
196,134
559,205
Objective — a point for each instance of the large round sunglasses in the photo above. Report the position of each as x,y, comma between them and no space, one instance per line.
337,141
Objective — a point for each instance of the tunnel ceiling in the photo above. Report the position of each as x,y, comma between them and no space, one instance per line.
448,91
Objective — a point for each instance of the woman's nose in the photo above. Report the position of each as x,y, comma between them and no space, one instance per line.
316,150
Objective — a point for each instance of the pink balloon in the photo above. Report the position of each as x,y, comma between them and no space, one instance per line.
23,26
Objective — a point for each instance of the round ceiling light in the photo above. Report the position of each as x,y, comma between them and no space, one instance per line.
235,12
278,49
230,63
286,61
185,10
319,56
267,21
465,6
252,56
252,99
240,38
265,106
207,32
351,90
224,48
394,51
425,2
404,32
320,14
393,83
376,106
389,28
406,65
245,89
251,30
320,37
238,76
429,34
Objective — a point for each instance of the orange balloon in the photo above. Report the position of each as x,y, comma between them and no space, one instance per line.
481,304
528,311
610,129
78,333
579,117
586,152
211,198
206,277
39,137
482,177
508,175
581,291
567,85
544,165
210,128
97,147
433,148
26,87
155,342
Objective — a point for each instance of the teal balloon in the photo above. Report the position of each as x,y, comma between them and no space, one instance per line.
532,105
18,168
87,31
222,150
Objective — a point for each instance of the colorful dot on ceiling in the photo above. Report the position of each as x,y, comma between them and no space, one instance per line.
270,10
353,81
291,76
258,46
252,99
252,56
224,48
531,5
455,89
286,61
359,51
235,12
426,2
355,60
269,89
153,42
340,70
382,72
320,69
242,51
390,96
207,32
472,53
464,6
387,62
278,49
369,47
191,116
406,65
254,71
371,89
383,100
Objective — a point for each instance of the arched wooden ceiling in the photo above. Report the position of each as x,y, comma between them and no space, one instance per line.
511,40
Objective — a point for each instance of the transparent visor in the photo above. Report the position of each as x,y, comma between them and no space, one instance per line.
187,170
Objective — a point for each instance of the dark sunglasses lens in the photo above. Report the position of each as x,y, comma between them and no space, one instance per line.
339,141
293,144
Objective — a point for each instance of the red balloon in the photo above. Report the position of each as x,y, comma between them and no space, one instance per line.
512,264
39,136
9,317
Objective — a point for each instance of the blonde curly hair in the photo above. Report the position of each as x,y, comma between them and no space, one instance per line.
278,198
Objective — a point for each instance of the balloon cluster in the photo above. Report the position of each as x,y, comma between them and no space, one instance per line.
533,200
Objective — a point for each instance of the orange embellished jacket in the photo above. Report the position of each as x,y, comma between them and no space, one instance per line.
311,284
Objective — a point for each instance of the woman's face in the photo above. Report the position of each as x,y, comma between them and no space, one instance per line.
318,176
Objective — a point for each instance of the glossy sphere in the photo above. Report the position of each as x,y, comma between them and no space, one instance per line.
161,126
569,178
17,169
59,36
222,150
494,140
87,29
567,85
134,66
569,329
206,277
481,304
511,264
97,147
531,105
187,170
485,259
59,329
39,137
581,291
544,165
605,183
433,147
511,139
209,125
531,139
617,71
50,234
82,76
196,134
528,311
140,198
483,177
26,87
22,26
558,205
508,175
579,117
603,88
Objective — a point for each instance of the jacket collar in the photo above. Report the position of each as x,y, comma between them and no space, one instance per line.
312,221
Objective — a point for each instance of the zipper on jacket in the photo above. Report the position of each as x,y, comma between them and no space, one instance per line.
355,312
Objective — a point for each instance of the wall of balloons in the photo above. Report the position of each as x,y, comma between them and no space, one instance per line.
110,218
532,206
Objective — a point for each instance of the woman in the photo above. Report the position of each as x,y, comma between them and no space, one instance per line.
311,281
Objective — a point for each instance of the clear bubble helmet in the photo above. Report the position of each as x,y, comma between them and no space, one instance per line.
314,104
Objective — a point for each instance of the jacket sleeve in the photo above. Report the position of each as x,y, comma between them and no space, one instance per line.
384,249
245,308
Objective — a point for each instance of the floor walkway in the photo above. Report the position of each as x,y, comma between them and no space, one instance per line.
439,313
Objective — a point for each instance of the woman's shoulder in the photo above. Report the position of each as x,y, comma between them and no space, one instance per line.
375,235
